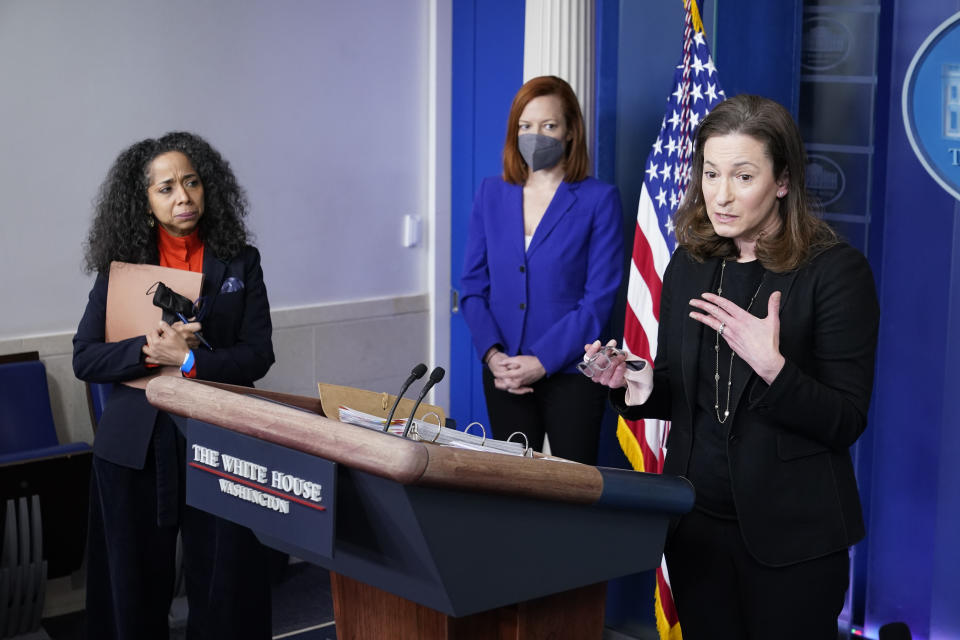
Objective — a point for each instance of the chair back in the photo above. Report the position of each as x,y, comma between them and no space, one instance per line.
26,419
97,396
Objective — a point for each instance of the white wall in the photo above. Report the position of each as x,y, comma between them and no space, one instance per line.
320,106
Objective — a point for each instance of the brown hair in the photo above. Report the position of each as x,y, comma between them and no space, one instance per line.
802,234
576,161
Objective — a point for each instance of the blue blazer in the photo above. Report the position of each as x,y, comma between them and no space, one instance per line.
236,322
553,298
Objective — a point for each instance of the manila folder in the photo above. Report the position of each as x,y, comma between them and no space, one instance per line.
130,309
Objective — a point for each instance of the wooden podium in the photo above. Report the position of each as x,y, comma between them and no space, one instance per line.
433,542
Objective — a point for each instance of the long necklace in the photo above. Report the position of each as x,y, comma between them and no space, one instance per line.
716,351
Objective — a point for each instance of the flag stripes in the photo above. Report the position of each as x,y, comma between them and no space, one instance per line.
696,90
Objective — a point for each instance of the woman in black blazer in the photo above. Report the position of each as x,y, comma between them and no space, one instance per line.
768,328
172,201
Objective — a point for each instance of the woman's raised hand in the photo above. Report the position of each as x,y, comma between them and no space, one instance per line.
755,340
610,375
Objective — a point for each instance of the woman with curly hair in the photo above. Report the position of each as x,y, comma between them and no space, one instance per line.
173,202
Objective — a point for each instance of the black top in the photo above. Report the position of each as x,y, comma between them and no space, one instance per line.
789,460
709,469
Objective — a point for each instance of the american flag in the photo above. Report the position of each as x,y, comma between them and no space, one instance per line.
696,90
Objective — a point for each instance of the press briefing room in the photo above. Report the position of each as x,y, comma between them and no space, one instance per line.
480,320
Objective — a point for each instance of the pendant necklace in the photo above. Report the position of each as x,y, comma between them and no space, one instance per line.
716,350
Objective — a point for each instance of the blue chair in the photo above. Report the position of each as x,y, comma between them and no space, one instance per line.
97,396
45,487
26,419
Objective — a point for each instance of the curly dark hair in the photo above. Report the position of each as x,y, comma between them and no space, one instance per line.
122,229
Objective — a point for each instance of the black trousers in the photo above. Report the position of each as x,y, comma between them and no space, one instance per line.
723,593
135,515
567,407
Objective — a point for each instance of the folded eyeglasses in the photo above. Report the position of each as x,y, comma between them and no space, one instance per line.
603,359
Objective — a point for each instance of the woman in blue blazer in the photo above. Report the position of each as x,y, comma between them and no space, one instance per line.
173,201
542,267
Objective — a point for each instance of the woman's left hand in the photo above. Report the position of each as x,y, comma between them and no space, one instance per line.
519,373
165,346
756,341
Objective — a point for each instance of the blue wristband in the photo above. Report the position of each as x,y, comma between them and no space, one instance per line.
187,362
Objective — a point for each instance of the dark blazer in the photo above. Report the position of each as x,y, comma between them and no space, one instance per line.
553,298
236,322
788,443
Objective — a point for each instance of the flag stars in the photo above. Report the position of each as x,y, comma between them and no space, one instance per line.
652,171
678,92
666,171
712,92
697,93
662,197
710,67
699,39
697,65
694,119
673,200
668,225
672,146
675,120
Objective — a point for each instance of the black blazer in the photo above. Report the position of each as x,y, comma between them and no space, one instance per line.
236,323
787,443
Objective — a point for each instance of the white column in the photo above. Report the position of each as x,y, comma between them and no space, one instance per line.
559,41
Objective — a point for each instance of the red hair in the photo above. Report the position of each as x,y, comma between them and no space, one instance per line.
576,162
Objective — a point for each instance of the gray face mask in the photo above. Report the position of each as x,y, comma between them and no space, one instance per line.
540,151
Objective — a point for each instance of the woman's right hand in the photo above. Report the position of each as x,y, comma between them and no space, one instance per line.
612,376
188,331
165,346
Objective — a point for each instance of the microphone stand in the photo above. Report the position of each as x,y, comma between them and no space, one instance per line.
435,376
416,374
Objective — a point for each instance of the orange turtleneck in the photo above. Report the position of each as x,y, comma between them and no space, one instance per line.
181,253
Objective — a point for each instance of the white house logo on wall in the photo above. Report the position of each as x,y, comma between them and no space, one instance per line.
826,43
931,104
825,179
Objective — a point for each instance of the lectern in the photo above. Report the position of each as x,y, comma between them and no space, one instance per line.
423,542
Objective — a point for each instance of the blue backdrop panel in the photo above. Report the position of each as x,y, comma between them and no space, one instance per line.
487,71
913,517
757,48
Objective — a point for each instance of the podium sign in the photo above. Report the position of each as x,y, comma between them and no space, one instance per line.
262,485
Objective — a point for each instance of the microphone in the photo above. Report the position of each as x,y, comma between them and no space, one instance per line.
435,376
416,374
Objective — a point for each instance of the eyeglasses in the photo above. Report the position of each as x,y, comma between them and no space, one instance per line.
603,359
599,362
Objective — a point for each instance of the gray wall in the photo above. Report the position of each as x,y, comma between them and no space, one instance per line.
322,108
